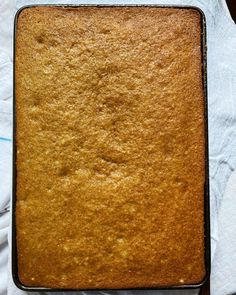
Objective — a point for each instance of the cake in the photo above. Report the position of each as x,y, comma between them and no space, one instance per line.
110,147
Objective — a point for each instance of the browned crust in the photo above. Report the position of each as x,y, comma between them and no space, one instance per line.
110,147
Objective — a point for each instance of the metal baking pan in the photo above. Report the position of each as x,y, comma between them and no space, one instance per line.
206,195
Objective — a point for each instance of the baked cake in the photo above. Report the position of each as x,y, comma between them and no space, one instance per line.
110,147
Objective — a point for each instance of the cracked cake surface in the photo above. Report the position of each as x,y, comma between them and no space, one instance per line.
110,147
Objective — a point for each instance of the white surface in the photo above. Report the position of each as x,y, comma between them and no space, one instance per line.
223,271
221,39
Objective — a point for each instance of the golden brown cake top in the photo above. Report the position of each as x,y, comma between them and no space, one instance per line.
110,147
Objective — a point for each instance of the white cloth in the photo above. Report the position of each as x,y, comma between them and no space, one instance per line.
224,264
221,40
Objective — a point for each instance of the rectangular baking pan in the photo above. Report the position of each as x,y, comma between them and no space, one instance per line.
207,253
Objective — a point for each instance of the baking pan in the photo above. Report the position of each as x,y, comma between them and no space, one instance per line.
206,189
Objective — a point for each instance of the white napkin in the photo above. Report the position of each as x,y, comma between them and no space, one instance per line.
5,128
5,138
224,263
221,39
